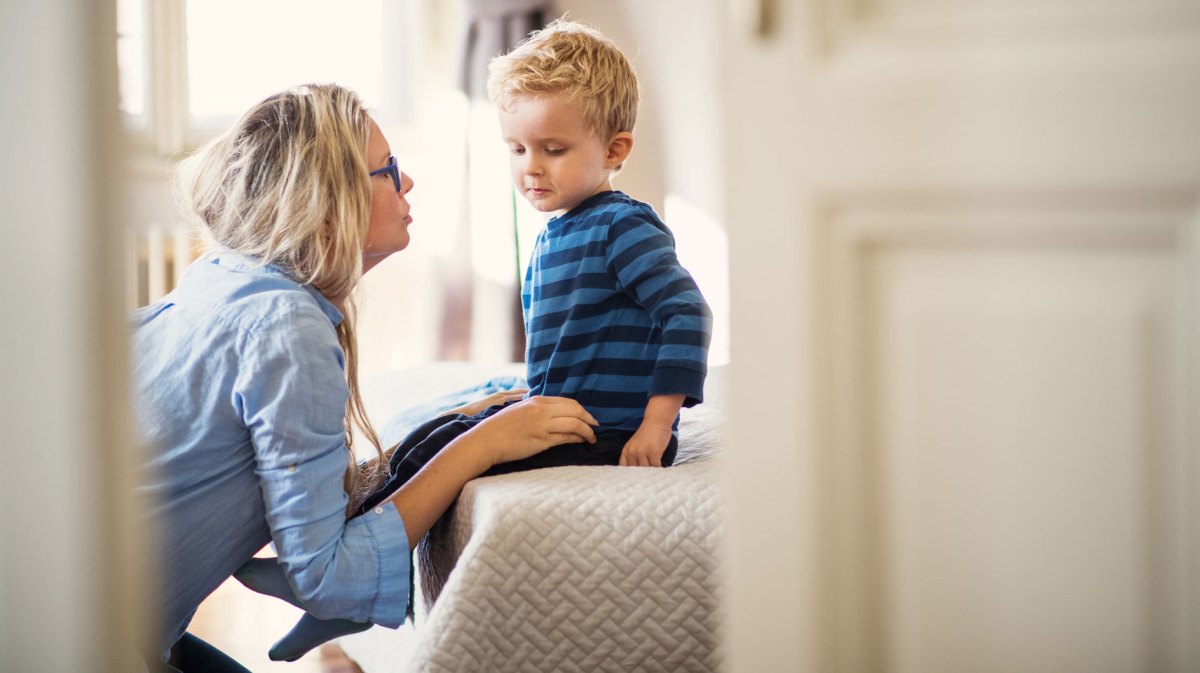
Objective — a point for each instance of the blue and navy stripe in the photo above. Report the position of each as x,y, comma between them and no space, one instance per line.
611,317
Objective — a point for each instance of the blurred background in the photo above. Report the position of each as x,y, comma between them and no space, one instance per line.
951,249
188,70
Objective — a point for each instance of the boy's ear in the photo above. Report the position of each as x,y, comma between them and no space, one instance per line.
618,149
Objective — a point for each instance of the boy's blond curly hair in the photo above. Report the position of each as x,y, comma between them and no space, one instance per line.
568,58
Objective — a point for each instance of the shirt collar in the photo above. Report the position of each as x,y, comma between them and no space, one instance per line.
335,316
589,202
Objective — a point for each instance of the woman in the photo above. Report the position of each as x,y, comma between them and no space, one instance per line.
245,378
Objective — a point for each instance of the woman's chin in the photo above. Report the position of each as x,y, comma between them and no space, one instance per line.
373,258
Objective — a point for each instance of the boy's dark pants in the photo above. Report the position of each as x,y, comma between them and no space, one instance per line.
423,443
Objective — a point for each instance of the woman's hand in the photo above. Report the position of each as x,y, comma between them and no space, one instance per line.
502,397
518,431
533,425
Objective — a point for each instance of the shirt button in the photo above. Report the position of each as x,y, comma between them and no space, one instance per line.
379,510
292,467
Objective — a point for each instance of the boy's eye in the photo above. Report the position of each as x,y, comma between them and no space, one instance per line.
517,150
555,151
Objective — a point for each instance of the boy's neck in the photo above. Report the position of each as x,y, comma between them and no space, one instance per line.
606,187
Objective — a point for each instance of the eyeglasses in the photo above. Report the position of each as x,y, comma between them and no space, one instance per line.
391,169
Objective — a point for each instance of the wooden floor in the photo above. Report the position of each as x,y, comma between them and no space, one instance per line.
244,625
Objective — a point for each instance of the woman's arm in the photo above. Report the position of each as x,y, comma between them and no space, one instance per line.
519,431
292,395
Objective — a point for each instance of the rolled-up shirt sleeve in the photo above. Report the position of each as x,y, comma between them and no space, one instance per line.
292,397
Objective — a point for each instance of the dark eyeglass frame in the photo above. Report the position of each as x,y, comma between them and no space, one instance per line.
391,169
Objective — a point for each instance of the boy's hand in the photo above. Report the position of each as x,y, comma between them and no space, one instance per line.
645,448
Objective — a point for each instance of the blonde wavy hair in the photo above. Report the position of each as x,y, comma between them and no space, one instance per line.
288,185
571,59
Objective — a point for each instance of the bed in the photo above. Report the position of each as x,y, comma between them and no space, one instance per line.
562,569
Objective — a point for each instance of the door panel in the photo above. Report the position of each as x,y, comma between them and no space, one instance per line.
1012,432
1006,432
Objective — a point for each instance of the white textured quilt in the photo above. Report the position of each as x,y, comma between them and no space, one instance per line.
569,569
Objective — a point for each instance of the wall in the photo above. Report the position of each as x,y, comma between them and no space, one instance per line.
673,46
68,573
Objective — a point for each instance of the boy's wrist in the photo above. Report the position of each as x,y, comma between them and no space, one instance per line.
656,423
661,410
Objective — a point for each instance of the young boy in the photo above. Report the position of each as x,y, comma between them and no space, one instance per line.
611,318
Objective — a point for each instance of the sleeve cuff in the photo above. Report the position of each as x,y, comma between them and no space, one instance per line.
395,565
679,381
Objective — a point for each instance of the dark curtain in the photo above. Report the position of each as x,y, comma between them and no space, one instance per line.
491,28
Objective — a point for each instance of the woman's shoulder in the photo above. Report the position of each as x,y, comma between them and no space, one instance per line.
252,299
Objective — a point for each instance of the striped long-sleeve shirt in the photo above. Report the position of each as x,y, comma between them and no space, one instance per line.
611,317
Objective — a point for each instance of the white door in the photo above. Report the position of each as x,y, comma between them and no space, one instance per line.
964,279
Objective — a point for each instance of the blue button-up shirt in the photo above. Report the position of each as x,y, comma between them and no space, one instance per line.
241,398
